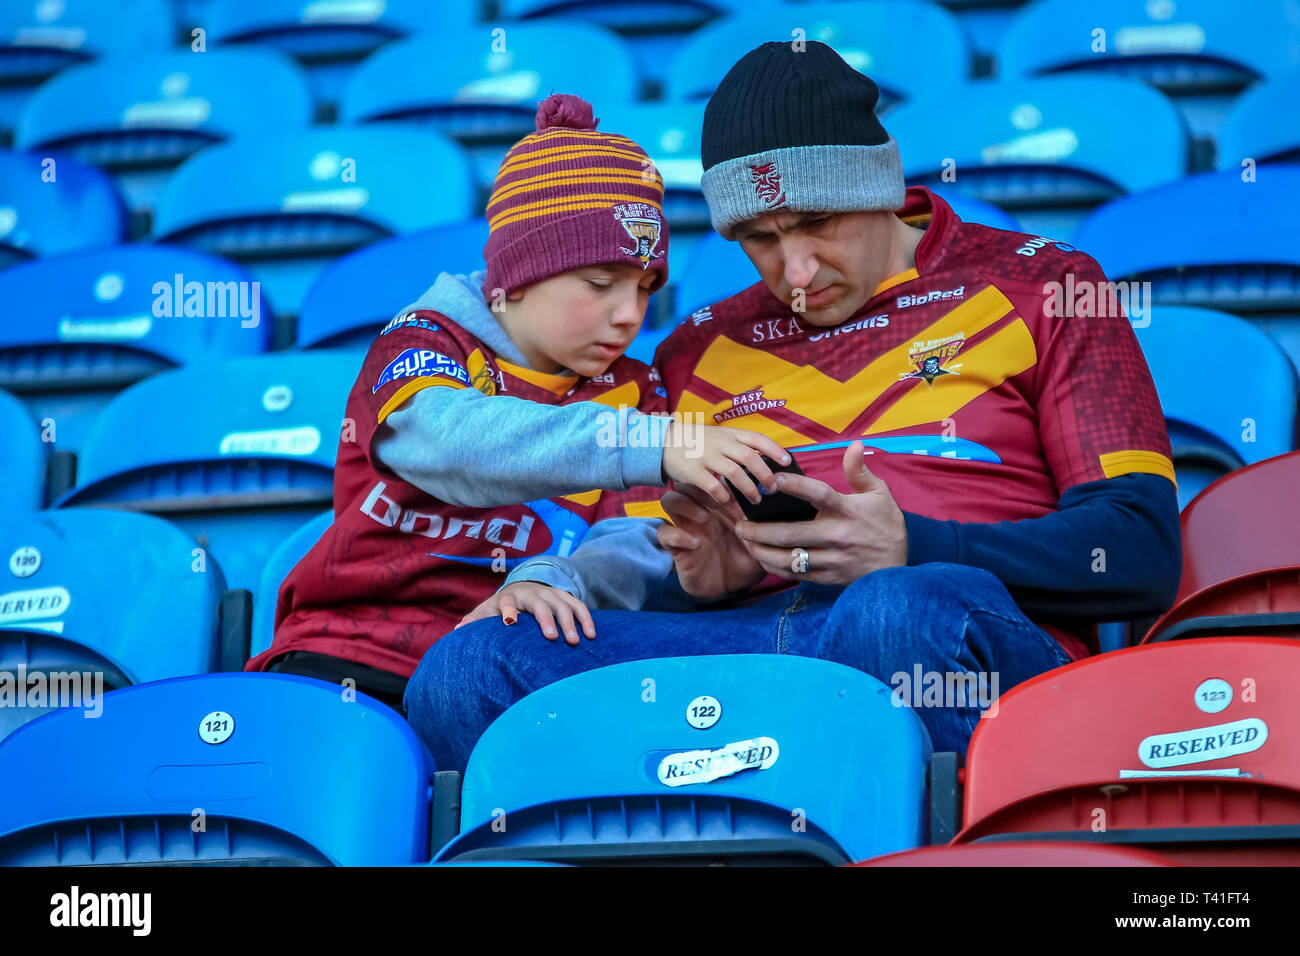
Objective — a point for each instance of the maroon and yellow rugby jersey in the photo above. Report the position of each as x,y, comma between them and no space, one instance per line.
975,402
398,568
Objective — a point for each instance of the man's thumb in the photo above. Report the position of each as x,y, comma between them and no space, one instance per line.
856,472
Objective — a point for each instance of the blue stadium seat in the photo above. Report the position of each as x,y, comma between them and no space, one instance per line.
288,203
94,322
39,37
1262,125
1216,430
876,38
716,269
1214,241
975,210
123,596
985,23
277,569
1201,52
653,29
139,119
355,296
670,135
22,480
484,95
329,38
223,769
1026,146
239,452
53,204
584,769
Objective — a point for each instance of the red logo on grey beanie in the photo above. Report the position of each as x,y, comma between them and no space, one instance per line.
767,183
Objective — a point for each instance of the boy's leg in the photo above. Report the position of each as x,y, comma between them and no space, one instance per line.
469,677
949,629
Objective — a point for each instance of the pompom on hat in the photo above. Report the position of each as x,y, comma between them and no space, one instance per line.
568,196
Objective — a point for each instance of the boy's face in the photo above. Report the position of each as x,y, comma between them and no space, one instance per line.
838,259
583,319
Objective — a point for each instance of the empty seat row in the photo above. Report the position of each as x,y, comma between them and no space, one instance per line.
1180,748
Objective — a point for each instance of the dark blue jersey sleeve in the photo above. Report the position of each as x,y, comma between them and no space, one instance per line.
1112,551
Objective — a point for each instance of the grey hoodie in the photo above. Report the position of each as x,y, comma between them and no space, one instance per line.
480,451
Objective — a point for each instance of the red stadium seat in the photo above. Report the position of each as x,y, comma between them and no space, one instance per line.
1241,556
1029,853
1117,749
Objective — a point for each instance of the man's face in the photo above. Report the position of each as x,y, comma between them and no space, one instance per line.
838,259
584,319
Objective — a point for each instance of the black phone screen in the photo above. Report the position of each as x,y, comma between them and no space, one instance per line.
777,506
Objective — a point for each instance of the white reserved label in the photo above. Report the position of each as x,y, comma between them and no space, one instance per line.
1220,772
273,441
83,330
701,766
344,199
1202,744
34,604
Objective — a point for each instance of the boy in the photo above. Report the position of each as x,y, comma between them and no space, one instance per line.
495,414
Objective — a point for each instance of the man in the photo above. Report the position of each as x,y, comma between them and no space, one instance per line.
1018,488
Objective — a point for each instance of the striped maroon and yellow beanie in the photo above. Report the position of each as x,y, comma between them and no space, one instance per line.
568,196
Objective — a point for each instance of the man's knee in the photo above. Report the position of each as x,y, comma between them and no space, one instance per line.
920,592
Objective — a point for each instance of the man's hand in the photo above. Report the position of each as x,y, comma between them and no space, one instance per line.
852,535
711,562
543,602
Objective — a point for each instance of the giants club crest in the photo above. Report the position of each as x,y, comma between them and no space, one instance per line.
767,184
643,223
930,359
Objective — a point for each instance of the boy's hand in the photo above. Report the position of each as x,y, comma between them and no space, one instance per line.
711,560
701,455
543,602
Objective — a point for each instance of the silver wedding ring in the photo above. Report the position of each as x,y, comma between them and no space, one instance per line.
799,561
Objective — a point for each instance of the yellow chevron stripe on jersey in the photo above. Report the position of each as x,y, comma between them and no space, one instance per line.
586,498
1132,460
410,388
1007,352
810,392
480,373
779,432
646,509
906,275
629,394
556,384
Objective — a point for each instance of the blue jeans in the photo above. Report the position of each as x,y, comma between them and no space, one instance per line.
909,627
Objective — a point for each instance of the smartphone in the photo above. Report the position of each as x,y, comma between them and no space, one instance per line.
776,505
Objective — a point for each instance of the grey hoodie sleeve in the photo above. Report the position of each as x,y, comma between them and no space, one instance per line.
482,451
618,565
